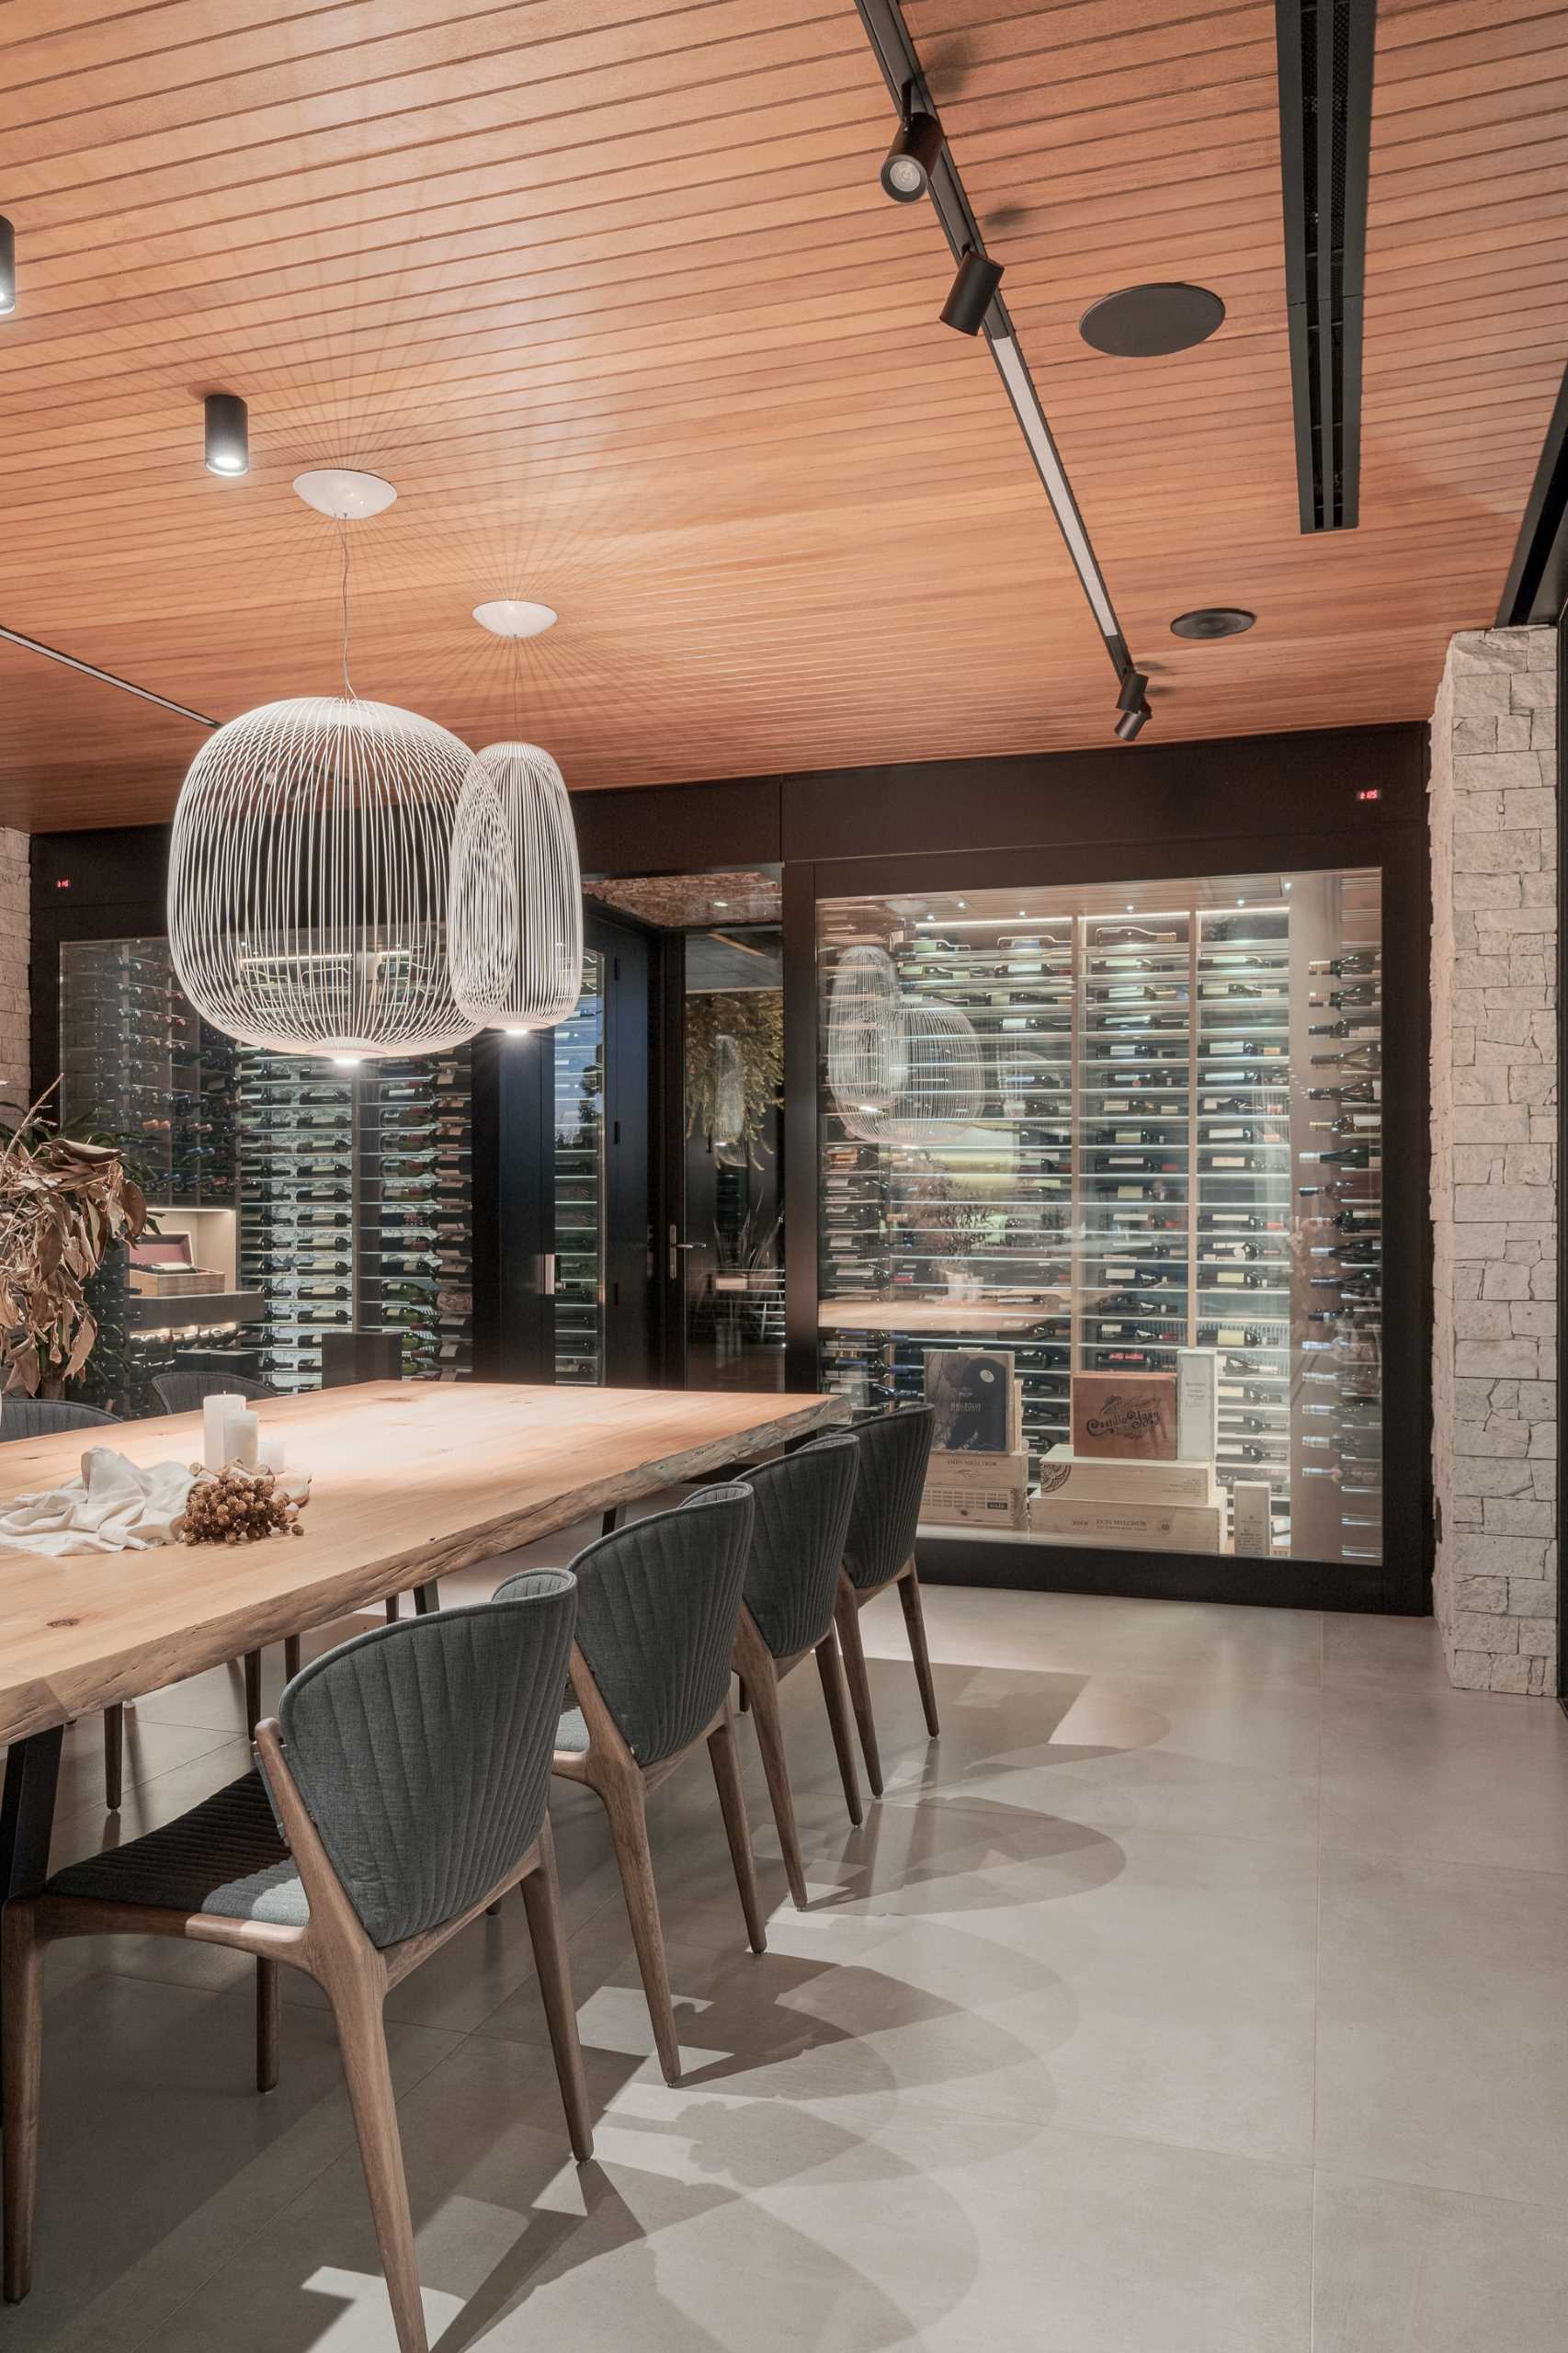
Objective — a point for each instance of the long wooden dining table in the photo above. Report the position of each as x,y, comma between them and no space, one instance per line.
409,1480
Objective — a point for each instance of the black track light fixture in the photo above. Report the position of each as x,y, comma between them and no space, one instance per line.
228,435
8,267
1132,705
911,159
978,278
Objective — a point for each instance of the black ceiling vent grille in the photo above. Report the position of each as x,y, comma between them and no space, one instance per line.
1325,136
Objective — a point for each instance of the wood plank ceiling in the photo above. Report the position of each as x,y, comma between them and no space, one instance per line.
608,288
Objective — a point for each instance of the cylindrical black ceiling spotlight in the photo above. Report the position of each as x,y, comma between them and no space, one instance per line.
1130,704
976,282
8,267
911,159
228,435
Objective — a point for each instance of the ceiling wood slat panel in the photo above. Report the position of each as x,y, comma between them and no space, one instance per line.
608,288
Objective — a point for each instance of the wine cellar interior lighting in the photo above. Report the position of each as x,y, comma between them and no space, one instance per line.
8,267
911,159
227,423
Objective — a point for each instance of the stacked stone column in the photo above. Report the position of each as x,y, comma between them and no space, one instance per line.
1493,813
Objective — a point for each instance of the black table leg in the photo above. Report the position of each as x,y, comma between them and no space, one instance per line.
26,1813
26,1810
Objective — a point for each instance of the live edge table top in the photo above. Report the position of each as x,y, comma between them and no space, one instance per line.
409,1480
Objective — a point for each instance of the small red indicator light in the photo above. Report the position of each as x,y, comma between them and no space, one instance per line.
64,884
1370,792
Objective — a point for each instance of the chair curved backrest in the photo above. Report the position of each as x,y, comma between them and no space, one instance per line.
422,1750
801,1519
184,1392
894,1450
41,1416
657,1611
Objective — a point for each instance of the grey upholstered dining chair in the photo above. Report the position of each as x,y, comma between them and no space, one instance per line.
41,1416
656,1612
410,1769
801,1518
880,1550
23,1417
182,1391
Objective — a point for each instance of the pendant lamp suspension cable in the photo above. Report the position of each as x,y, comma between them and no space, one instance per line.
348,694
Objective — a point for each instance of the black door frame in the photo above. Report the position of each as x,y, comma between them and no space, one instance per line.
1401,1584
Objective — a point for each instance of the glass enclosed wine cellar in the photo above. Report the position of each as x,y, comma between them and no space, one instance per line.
1117,1138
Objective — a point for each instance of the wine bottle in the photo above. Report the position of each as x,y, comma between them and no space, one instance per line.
1360,1090
1350,1155
1367,1057
1360,992
1349,959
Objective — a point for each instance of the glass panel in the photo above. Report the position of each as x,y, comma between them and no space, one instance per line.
354,1193
1101,1174
579,1047
733,1253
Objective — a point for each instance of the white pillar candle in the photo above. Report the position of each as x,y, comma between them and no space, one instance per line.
242,1436
215,1412
273,1454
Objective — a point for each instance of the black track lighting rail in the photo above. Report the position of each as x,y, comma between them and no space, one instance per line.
895,53
105,677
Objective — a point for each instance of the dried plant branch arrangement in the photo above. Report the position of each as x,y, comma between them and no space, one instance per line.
64,1202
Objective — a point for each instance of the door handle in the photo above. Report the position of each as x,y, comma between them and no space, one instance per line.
676,1246
547,1274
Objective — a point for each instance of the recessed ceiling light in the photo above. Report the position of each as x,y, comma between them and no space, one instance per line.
512,616
1148,322
348,1062
1241,902
1130,906
1213,621
343,493
720,903
1284,886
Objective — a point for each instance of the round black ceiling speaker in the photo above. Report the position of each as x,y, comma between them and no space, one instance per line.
1146,322
1213,621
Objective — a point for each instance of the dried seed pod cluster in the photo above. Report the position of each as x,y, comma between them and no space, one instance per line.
235,1506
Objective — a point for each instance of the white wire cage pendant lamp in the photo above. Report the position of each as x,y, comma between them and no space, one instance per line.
310,864
515,913
515,921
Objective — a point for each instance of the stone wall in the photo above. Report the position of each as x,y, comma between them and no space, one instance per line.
15,931
1493,813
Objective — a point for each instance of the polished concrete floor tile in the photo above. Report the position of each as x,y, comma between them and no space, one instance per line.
1446,1776
1443,2026
1407,2270
1181,1753
1034,2072
1363,1652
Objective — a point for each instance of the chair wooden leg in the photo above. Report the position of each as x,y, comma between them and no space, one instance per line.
731,1800
626,1807
21,2063
268,2024
362,2039
426,1599
114,1753
292,1657
914,1620
763,1682
830,1668
253,1691
392,1609
541,1893
847,1615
